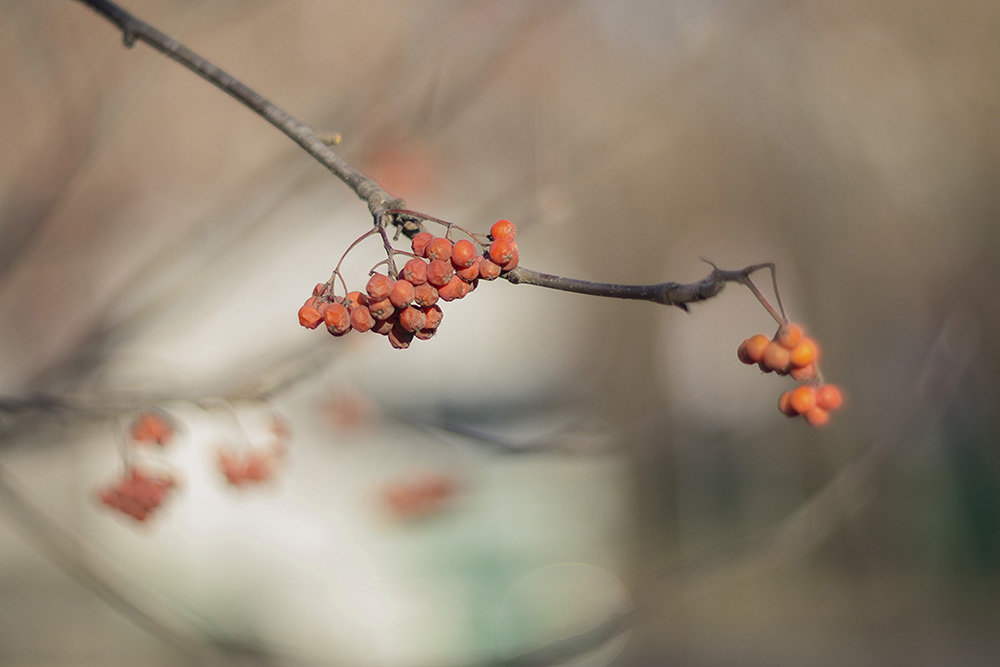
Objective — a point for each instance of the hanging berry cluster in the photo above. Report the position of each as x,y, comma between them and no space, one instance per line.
791,352
404,304
138,493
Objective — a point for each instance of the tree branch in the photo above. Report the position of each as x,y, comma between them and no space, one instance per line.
134,30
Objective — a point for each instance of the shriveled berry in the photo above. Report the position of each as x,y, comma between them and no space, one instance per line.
785,405
463,254
309,314
319,289
488,269
338,320
502,251
453,290
829,397
503,229
425,295
379,286
789,335
751,350
775,358
383,327
817,416
439,248
439,272
412,319
803,399
434,316
402,294
361,319
381,310
425,334
803,373
419,243
399,338
471,272
355,299
415,271
805,353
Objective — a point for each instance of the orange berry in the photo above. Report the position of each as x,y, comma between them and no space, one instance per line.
488,269
338,320
439,248
785,405
804,353
402,294
439,272
463,254
512,262
471,272
803,399
751,350
151,427
419,243
379,286
829,397
425,334
789,334
434,316
817,416
775,358
803,373
381,310
453,290
309,315
502,251
361,318
412,319
415,271
425,295
503,229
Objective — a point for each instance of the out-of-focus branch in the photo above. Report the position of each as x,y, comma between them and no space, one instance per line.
134,30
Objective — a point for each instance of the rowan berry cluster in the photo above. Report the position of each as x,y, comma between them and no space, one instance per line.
137,493
404,305
791,352
254,466
151,427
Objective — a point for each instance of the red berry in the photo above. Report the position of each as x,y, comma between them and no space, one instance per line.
399,338
785,405
463,254
439,248
817,416
355,299
379,286
309,314
775,358
453,290
402,294
803,373
803,399
337,318
381,310
415,271
425,334
488,269
439,272
361,319
502,251
419,243
503,229
804,353
471,272
425,295
434,316
151,427
383,327
412,319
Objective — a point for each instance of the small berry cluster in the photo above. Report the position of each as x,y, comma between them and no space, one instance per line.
791,352
151,427
137,493
250,467
418,497
404,306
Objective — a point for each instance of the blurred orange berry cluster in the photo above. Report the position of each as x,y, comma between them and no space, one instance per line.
791,352
137,493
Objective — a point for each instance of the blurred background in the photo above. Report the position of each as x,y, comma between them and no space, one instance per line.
613,487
